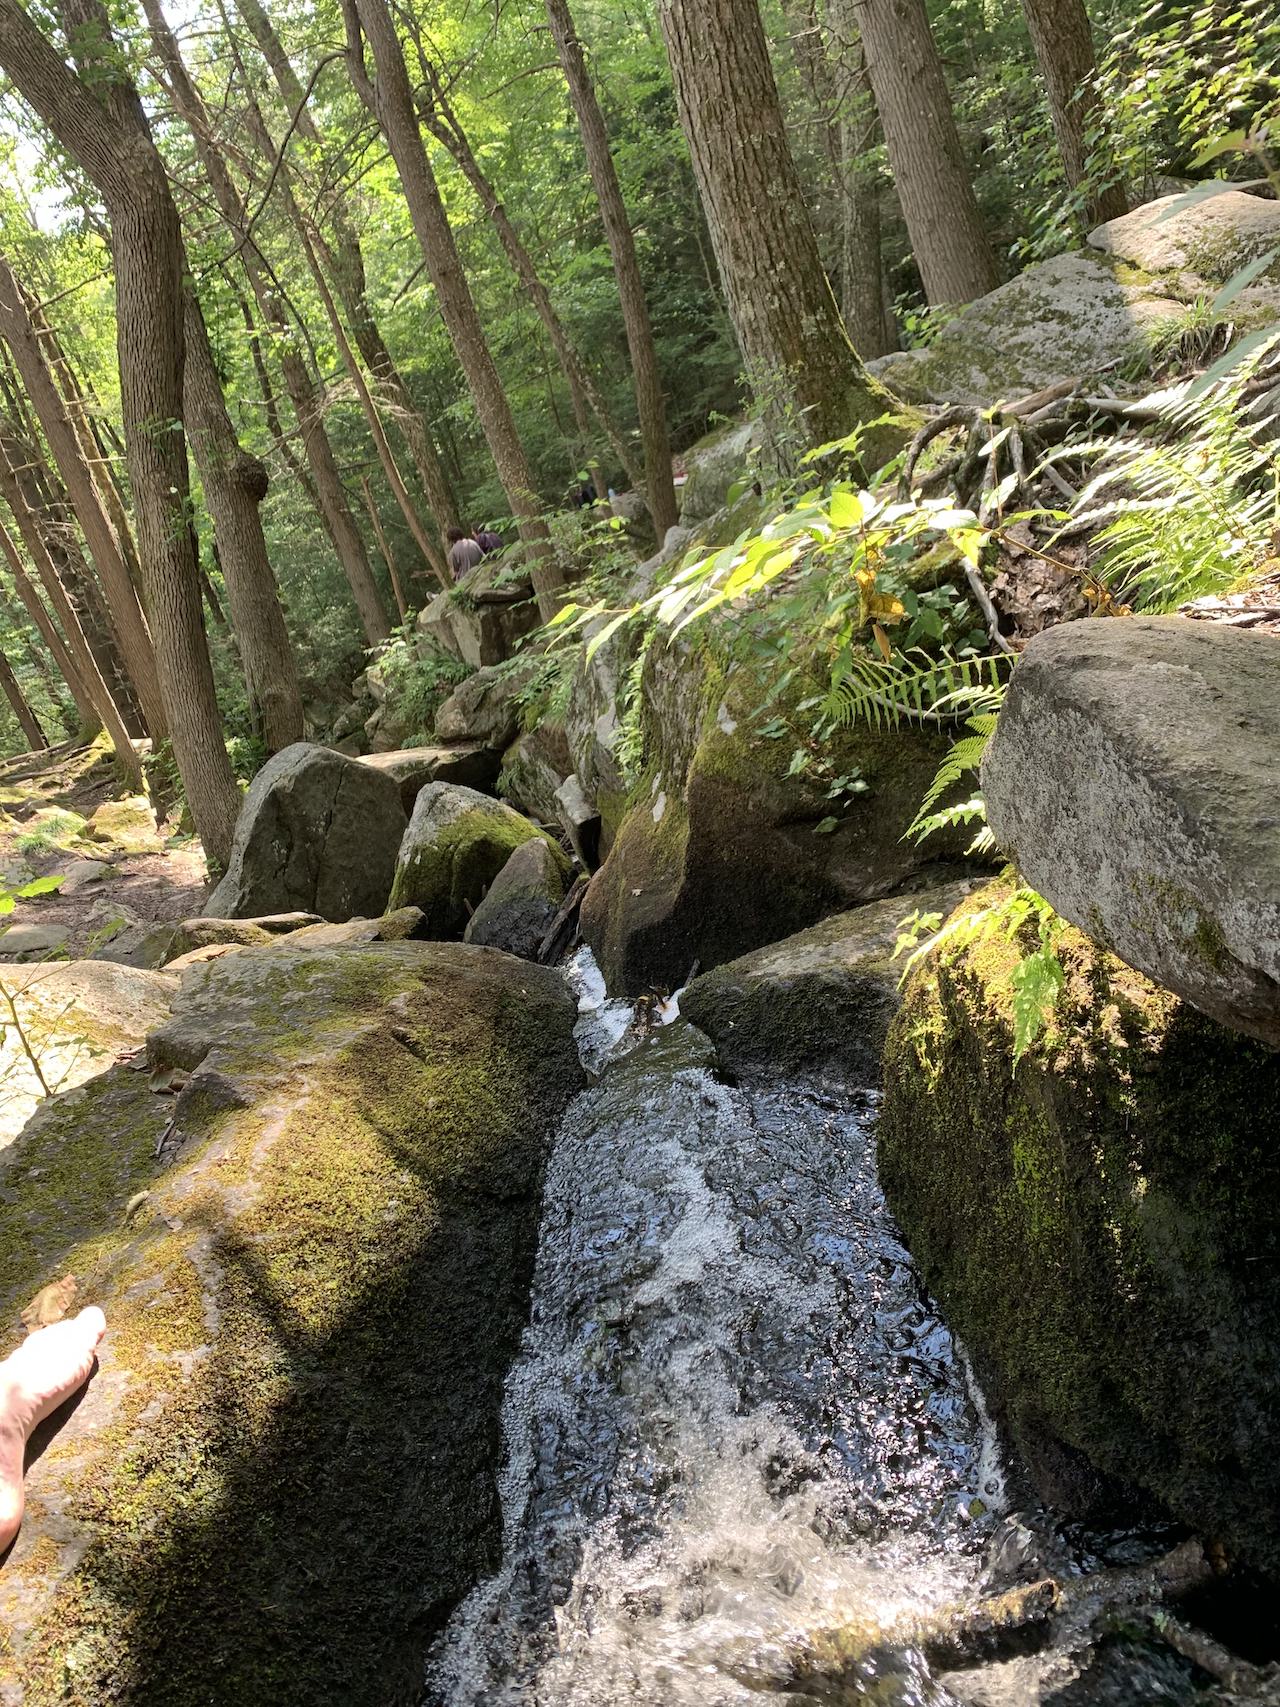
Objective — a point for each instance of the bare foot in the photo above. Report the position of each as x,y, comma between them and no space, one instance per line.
46,1369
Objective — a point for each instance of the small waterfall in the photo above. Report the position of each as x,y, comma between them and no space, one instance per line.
736,1420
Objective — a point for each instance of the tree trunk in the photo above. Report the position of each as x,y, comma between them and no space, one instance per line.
866,317
384,546
21,710
1063,42
104,545
235,483
34,607
303,391
803,371
584,393
391,100
933,183
660,492
108,140
345,262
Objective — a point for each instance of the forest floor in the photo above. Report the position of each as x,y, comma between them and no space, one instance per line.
117,875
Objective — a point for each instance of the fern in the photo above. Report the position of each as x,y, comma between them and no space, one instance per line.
1037,981
914,687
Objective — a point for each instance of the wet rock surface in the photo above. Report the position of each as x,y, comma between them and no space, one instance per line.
1132,777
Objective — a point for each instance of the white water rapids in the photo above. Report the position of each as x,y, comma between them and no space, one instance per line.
736,1421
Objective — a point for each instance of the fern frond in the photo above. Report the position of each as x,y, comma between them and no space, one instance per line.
914,687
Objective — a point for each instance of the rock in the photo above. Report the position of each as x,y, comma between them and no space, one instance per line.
192,934
126,940
715,465
77,1016
283,1476
1132,777
820,1001
1072,315
483,709
1207,241
129,826
533,768
720,851
482,619
318,832
456,844
580,821
79,874
30,942
1100,1227
211,951
522,901
387,731
412,768
404,923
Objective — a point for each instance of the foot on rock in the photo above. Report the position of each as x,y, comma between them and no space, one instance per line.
47,1368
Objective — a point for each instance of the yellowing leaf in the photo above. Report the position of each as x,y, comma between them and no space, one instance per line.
882,641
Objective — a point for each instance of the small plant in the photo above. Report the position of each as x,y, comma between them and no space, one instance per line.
53,832
418,676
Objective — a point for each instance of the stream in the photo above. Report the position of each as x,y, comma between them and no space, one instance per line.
740,1442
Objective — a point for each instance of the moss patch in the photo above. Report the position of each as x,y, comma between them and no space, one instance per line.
1100,1225
283,1477
447,875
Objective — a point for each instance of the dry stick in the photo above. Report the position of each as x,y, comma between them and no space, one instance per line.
384,546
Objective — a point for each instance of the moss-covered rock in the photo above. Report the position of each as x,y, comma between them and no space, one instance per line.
456,844
820,1001
721,850
282,1477
1101,1227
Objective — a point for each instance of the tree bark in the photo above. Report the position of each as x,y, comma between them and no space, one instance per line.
391,99
803,371
303,391
384,546
660,492
862,281
933,183
36,739
345,262
149,264
235,483
1063,42
104,545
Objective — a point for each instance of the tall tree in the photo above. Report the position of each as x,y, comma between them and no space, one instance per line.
127,616
801,365
27,718
304,392
659,490
863,292
389,96
929,170
149,266
1063,41
344,259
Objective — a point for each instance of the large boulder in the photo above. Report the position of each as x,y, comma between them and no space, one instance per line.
1132,777
484,708
713,467
820,1001
76,1018
482,619
412,768
1206,241
722,850
1099,1224
283,1476
533,768
193,934
318,832
522,901
456,844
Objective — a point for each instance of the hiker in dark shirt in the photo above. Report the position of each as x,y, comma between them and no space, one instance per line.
464,552
488,540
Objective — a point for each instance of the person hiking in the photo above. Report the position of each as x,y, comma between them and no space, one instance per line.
464,552
488,540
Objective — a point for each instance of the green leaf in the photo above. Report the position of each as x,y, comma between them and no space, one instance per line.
606,633
1255,343
826,826
39,886
1230,143
1241,279
1037,983
7,903
848,509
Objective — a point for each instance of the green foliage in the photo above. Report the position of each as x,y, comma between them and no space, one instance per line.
56,829
418,675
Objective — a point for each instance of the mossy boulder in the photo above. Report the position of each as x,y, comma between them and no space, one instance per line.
820,1001
484,709
713,466
283,1476
1201,244
412,768
126,826
456,844
193,934
1101,1226
318,832
522,901
721,850
533,768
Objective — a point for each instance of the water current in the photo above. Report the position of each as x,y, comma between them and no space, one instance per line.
739,1438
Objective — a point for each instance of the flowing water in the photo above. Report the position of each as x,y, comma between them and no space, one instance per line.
739,1438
